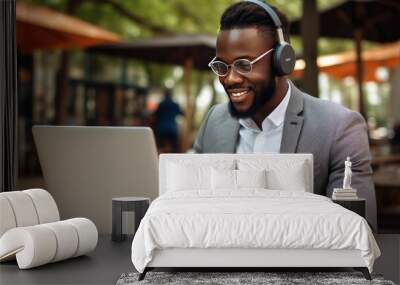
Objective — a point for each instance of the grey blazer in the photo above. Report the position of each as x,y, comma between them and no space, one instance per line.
327,130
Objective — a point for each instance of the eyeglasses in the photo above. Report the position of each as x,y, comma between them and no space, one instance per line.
241,65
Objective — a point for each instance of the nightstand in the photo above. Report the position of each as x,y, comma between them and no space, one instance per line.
139,205
356,205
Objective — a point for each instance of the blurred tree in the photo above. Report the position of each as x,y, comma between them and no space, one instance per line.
309,34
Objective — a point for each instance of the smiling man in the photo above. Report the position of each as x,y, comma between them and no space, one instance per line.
267,113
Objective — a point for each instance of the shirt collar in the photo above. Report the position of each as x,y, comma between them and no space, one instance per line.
278,114
276,117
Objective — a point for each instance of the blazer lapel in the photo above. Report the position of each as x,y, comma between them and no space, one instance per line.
229,137
293,121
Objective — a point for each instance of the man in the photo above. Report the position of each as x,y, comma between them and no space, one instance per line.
267,113
165,123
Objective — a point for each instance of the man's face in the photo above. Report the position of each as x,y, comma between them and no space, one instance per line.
247,92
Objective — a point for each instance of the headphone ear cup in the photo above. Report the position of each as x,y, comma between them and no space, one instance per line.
283,59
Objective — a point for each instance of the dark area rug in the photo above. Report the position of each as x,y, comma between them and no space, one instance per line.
273,278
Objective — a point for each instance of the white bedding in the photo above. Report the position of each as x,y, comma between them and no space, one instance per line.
251,218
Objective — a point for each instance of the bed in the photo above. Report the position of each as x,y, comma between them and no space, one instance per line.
246,211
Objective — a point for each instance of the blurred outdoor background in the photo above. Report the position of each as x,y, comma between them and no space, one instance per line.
110,62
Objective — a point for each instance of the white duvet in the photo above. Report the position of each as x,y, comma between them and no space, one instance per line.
250,218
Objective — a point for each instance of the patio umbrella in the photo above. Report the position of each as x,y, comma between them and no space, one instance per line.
177,50
190,51
343,64
372,20
43,28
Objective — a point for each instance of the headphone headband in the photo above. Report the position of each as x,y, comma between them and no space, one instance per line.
269,10
273,16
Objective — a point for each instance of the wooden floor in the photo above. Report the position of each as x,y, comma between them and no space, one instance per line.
102,266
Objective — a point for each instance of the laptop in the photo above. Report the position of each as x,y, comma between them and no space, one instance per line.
85,167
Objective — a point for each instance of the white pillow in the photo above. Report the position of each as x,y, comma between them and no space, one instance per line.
223,179
281,174
193,175
236,179
183,178
251,178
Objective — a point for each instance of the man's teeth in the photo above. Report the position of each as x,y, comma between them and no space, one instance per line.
237,94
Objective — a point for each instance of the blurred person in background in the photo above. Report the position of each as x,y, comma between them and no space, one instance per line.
166,128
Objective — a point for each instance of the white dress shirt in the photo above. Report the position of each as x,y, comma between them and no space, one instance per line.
254,140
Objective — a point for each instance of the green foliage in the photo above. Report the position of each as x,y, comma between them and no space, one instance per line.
175,16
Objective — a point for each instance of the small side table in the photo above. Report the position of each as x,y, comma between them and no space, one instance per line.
139,205
356,205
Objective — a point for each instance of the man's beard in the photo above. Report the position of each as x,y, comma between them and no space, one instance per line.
258,102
